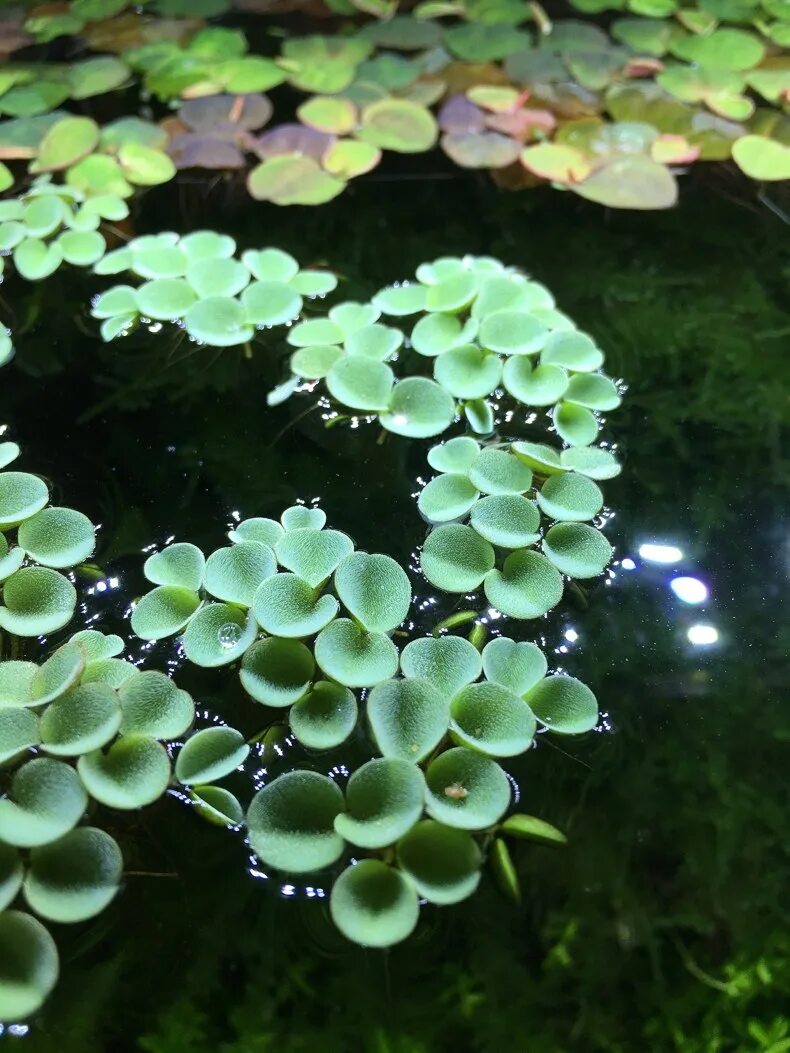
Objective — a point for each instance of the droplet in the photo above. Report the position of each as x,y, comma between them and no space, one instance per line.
229,634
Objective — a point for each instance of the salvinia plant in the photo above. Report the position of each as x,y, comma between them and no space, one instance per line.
322,637
83,732
482,330
49,225
197,283
309,623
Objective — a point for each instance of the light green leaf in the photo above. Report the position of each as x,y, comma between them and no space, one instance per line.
466,789
455,558
134,772
384,799
30,965
448,662
164,611
210,754
277,672
443,862
564,705
374,905
291,822
374,589
37,601
353,656
74,878
324,717
527,586
57,537
408,717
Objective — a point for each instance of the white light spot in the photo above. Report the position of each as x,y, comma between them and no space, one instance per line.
703,635
657,553
689,590
628,564
571,635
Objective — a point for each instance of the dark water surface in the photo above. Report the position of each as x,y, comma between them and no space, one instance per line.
664,923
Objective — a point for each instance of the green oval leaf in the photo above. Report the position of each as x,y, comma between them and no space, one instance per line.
74,878
350,654
152,705
285,605
21,496
235,572
277,672
291,822
492,719
527,586
83,719
324,717
515,666
210,754
45,801
37,601
448,662
466,789
564,705
443,862
570,497
134,772
164,611
455,558
30,965
408,717
218,634
374,905
57,537
507,520
419,408
384,799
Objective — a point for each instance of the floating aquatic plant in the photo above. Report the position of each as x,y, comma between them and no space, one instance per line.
307,616
312,625
37,542
611,113
433,795
508,494
483,329
196,282
84,724
51,224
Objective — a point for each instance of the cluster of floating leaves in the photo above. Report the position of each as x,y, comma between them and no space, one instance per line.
196,282
85,725
309,620
49,225
608,113
508,495
37,542
115,159
313,626
485,329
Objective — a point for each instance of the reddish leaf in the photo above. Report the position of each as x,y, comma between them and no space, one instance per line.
459,114
249,112
294,139
523,124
